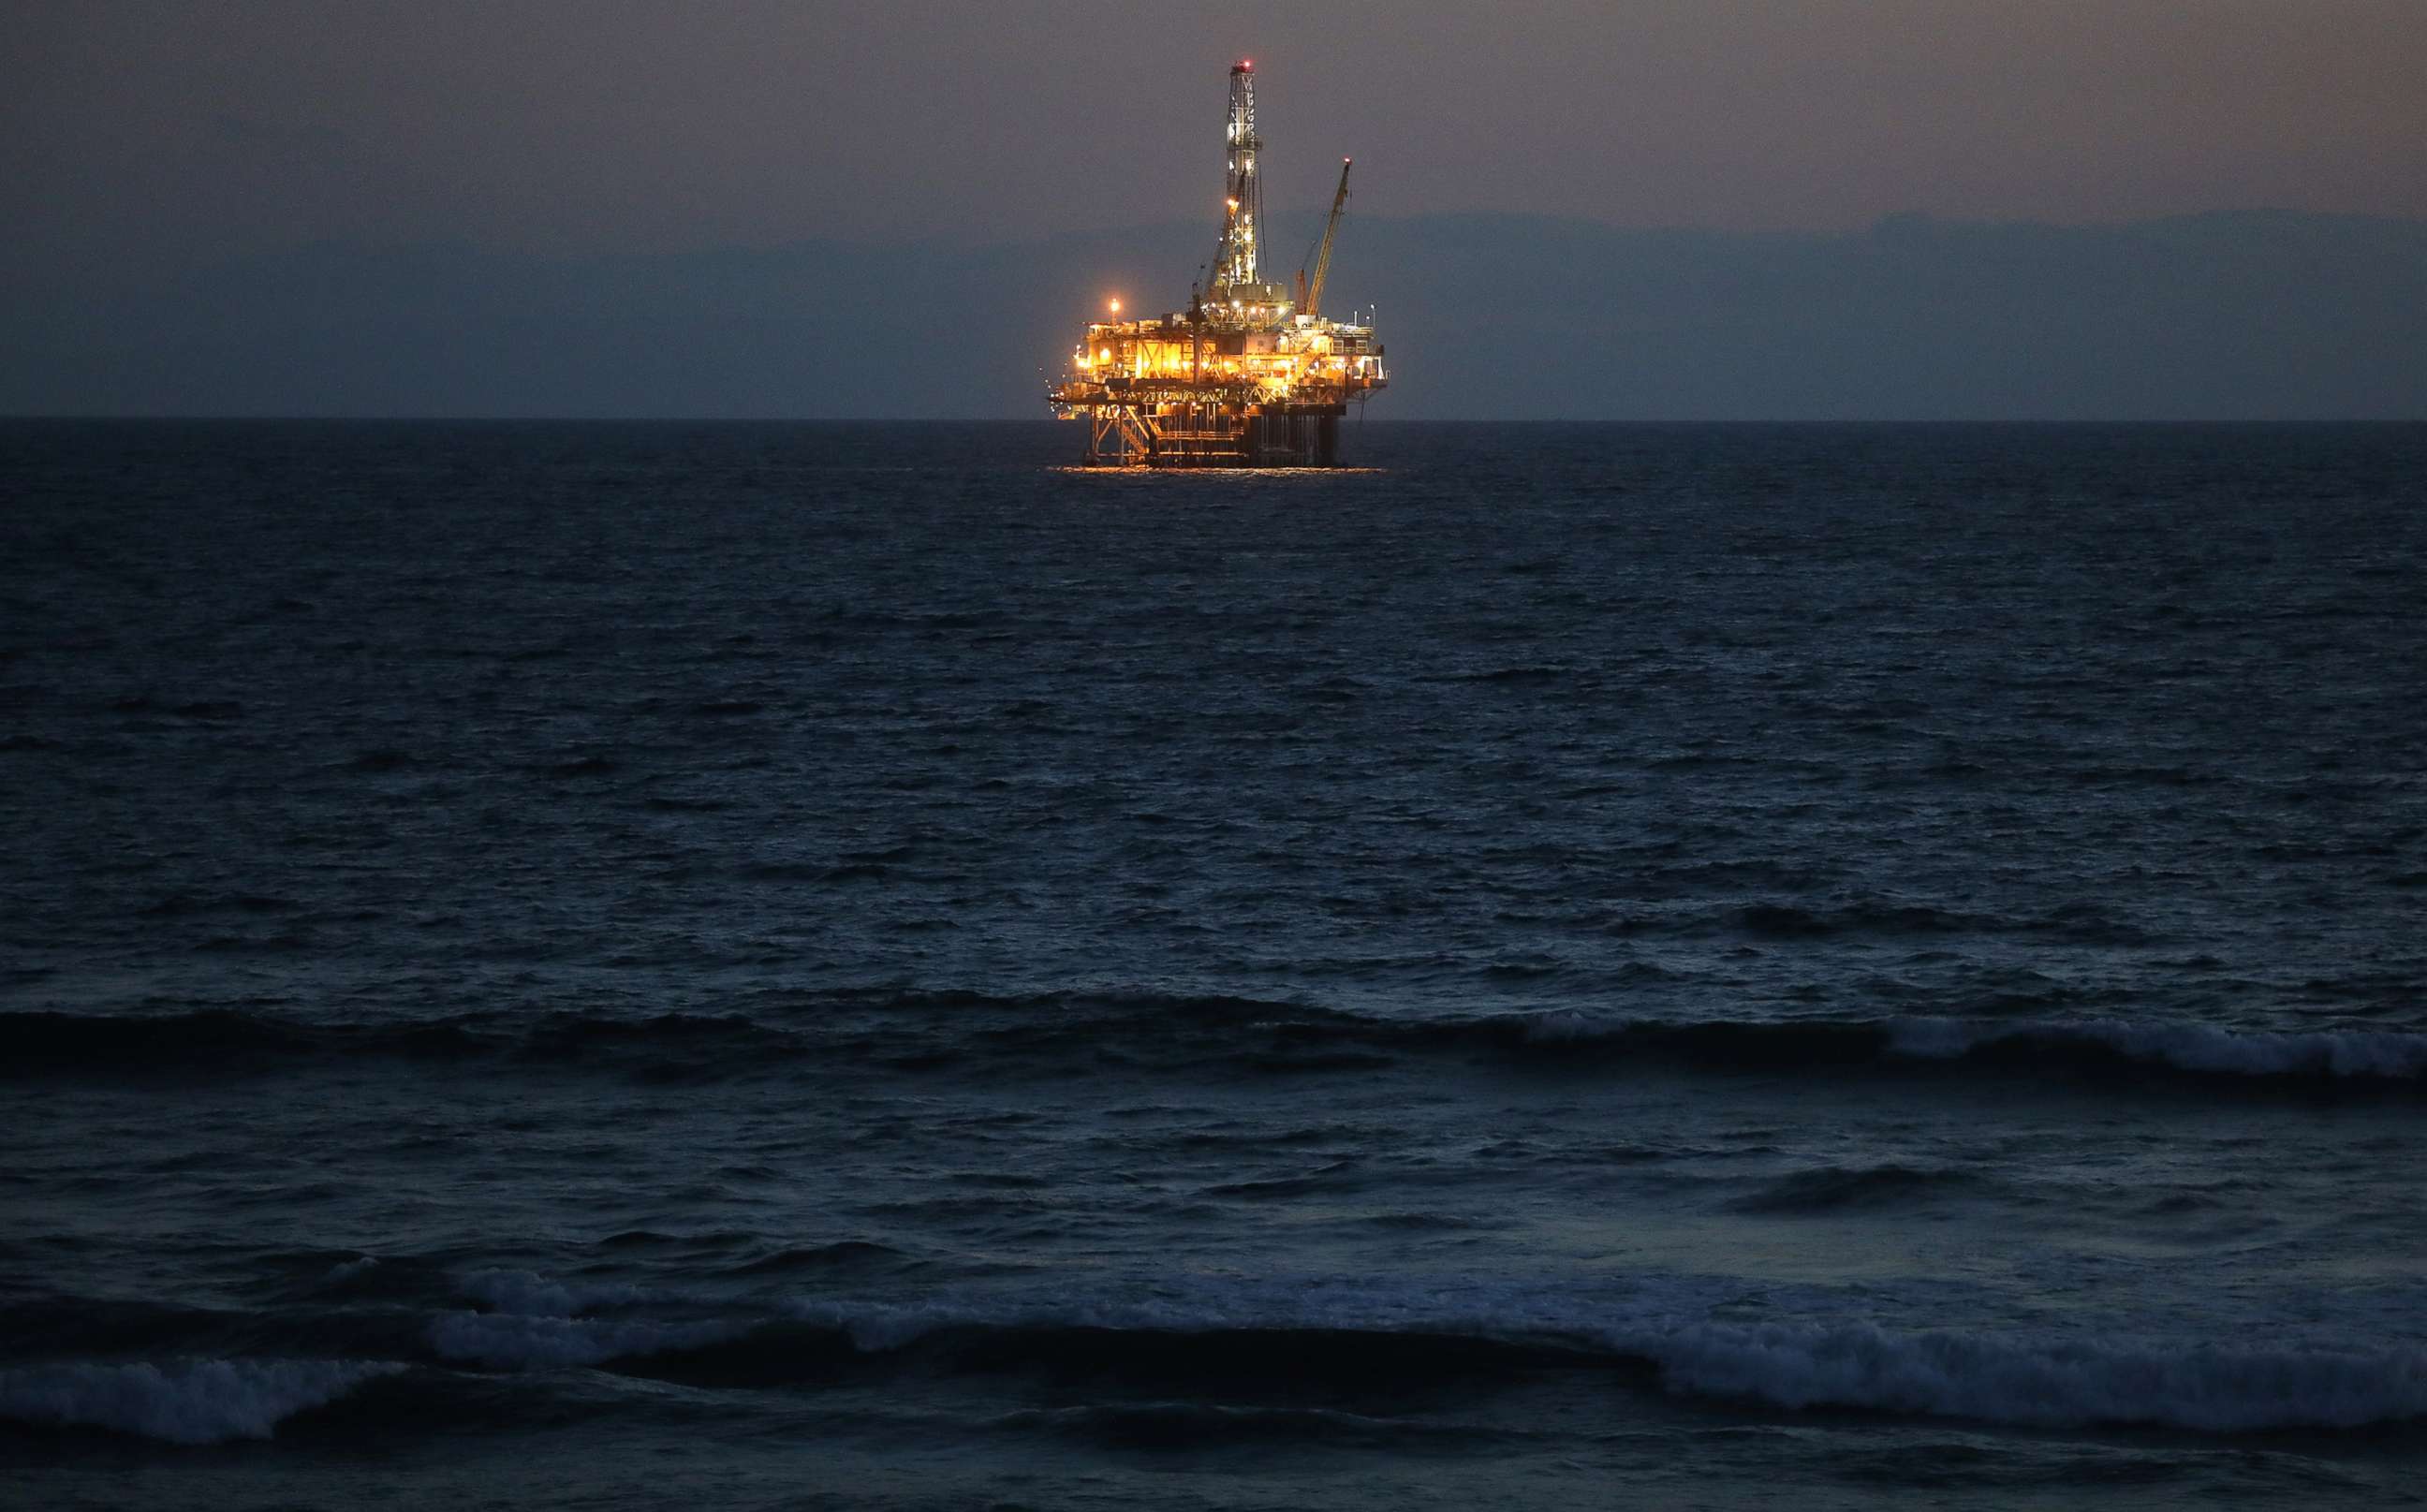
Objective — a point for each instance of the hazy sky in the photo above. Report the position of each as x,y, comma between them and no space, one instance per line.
582,126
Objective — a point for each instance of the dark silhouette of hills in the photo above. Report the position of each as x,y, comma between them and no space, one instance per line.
2258,315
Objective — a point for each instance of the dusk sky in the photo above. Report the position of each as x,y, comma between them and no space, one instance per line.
581,128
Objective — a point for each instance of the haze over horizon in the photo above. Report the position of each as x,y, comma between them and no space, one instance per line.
150,156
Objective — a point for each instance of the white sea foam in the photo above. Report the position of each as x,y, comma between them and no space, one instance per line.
1561,1025
539,1323
194,1402
508,1341
2386,1053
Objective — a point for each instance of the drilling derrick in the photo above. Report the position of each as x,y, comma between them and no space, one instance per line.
1248,375
1243,201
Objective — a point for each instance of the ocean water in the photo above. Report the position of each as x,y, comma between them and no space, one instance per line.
855,965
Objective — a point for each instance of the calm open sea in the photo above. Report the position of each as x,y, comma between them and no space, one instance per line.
853,966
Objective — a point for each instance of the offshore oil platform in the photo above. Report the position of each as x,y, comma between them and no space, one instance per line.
1251,374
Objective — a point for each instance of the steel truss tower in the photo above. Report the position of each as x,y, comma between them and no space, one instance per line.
1236,267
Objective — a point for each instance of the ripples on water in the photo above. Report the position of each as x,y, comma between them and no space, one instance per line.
858,964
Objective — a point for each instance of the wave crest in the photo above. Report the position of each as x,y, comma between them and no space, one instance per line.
936,1033
2041,1384
2018,1379
1240,1339
2392,1055
513,1341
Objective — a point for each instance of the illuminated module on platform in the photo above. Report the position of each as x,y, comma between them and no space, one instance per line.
1251,374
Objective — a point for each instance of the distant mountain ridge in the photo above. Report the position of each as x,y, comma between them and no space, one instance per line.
2243,315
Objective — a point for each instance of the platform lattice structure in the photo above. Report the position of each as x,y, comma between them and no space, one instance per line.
1251,374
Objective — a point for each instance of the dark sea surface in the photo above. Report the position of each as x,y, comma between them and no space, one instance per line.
743,966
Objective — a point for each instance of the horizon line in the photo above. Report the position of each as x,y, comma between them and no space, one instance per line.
1527,422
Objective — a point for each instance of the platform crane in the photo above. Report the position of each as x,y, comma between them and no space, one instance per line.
1310,292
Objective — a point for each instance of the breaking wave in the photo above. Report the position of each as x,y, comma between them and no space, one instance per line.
2039,1382
525,1292
2045,1384
1370,1344
194,1402
538,1322
2377,1054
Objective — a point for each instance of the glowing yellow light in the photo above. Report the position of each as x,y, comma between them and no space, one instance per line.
1105,355
1116,307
